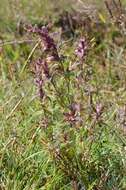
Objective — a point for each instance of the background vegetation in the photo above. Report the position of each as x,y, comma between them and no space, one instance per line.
74,137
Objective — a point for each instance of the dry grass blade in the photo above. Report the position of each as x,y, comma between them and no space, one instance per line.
30,55
14,109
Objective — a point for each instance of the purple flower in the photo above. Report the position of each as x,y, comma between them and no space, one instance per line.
45,69
41,93
49,53
99,110
39,79
48,43
73,115
75,108
42,66
39,82
82,48
69,117
49,59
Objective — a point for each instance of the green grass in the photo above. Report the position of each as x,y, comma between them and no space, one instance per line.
58,157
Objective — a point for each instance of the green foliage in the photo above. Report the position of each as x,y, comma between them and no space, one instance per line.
41,146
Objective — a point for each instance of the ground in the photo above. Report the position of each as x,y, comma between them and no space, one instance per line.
73,135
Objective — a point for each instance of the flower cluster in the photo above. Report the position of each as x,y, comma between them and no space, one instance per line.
49,54
47,42
73,116
81,49
38,80
98,111
80,52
